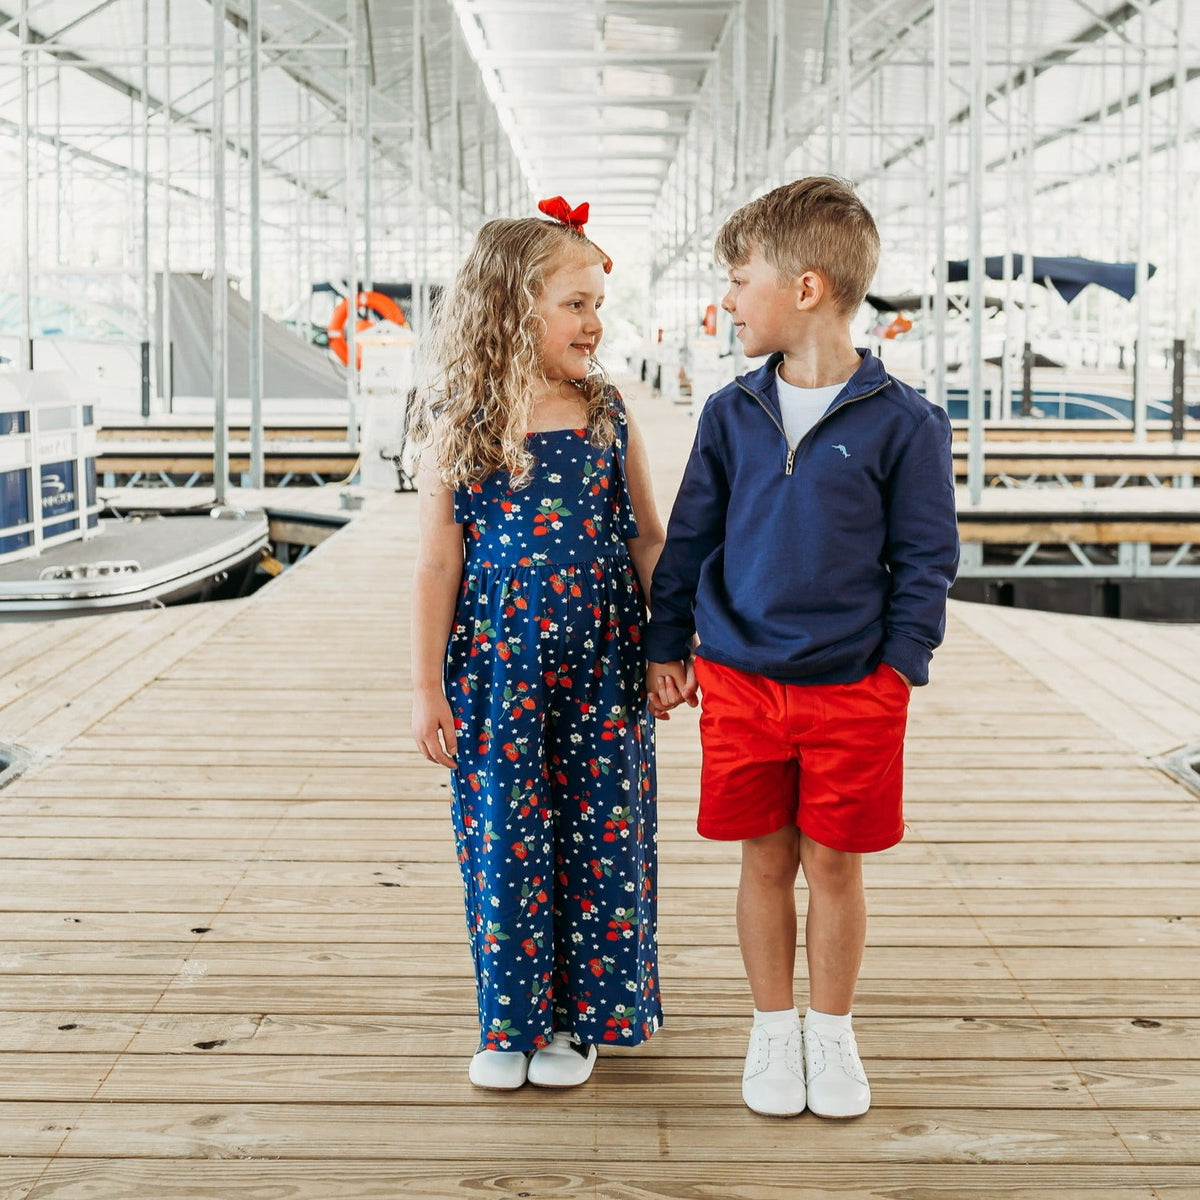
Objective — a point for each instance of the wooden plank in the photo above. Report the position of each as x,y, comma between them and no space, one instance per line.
345,783
676,927
380,1178
957,1039
697,1082
1045,647
24,880
70,836
676,818
358,1131
917,849
101,684
925,902
401,995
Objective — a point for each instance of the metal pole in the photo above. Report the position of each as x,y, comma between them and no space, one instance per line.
843,36
25,349
299,283
926,247
826,37
145,201
775,49
456,159
739,91
1121,177
1027,358
220,347
351,217
941,66
368,269
254,38
978,58
166,384
1004,409
306,203
58,164
714,118
35,165
417,111
1180,257
1141,357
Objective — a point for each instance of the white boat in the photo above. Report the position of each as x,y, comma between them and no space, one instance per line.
139,562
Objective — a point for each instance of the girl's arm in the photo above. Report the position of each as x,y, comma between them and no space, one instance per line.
646,547
436,581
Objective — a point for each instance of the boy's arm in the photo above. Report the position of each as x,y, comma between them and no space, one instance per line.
696,528
922,548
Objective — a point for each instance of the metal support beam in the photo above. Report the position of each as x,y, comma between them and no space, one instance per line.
978,27
350,229
254,48
776,52
144,240
1179,223
941,52
166,382
25,348
1141,357
220,283
843,87
367,208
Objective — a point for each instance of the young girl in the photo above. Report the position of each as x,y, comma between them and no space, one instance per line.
538,538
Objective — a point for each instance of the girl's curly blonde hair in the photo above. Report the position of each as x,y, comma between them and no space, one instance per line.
483,356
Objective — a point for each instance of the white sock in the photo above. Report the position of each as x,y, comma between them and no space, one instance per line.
781,1014
827,1020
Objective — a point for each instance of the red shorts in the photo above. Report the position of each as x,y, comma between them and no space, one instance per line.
828,758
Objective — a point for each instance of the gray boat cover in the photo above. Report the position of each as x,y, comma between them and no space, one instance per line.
293,369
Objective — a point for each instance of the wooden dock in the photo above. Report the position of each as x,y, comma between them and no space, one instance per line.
233,964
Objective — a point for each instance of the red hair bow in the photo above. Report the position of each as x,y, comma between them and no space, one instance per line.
560,210
575,218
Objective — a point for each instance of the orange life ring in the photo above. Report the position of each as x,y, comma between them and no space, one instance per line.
900,325
384,308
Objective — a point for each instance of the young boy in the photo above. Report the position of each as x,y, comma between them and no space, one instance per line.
808,555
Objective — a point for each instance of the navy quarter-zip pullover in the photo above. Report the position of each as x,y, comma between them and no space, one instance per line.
815,563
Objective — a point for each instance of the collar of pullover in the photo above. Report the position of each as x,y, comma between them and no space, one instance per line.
869,377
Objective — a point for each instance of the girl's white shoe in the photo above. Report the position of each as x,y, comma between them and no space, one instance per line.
837,1083
499,1070
562,1064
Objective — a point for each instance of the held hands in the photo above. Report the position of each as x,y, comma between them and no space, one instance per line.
668,685
433,726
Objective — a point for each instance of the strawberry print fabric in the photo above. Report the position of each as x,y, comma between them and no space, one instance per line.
554,792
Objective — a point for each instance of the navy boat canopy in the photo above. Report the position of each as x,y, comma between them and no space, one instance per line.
1068,275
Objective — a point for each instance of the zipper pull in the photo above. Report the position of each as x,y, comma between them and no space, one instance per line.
791,459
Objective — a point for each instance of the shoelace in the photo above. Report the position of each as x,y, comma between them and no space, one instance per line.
817,1046
772,1036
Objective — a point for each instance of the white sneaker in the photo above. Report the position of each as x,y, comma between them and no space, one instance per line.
773,1081
837,1083
499,1070
564,1063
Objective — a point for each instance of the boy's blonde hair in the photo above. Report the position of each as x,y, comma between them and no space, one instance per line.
815,224
483,356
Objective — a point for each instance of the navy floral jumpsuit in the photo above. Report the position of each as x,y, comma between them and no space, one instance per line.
554,792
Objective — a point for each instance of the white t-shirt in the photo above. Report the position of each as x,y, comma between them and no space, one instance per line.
801,408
